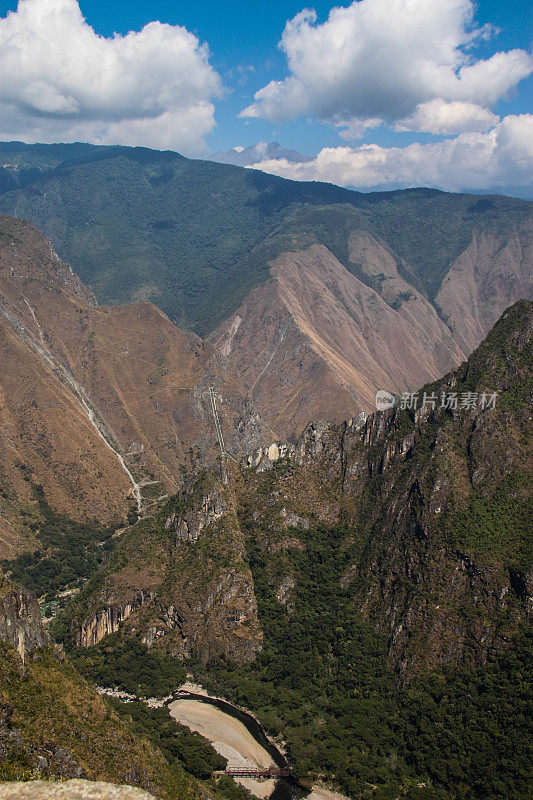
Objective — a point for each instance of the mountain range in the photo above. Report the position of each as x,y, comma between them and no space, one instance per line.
254,154
429,499
194,477
337,586
315,295
101,406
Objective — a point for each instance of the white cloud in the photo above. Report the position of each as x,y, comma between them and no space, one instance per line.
502,157
153,87
440,117
356,128
383,59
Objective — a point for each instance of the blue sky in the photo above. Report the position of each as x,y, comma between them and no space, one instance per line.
310,111
246,34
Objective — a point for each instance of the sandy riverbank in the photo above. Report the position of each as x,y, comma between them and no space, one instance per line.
198,689
319,793
232,740
229,737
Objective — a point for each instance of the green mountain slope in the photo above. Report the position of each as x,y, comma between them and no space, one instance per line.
54,725
390,559
195,236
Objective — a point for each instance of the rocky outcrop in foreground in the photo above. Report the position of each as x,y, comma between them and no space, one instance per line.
70,790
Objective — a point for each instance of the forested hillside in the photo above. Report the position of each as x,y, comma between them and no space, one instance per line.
195,236
390,560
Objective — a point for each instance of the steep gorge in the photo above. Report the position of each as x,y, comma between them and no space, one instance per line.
432,505
365,591
435,503
331,580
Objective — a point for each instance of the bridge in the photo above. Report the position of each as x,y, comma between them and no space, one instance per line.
270,772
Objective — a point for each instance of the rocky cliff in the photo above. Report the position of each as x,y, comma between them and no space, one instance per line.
435,501
180,581
20,619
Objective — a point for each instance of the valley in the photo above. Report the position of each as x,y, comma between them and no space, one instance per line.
195,483
387,629
230,738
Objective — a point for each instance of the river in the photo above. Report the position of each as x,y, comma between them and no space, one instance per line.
239,737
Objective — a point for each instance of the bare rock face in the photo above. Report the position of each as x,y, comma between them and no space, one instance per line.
182,582
322,336
108,620
95,400
70,790
491,274
317,342
188,526
20,619
285,593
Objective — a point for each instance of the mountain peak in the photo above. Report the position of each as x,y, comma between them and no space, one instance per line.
256,153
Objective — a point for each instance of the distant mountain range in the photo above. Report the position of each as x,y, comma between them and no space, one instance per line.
312,294
255,153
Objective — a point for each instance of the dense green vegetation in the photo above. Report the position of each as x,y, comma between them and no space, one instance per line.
322,680
196,236
471,732
322,684
175,741
70,551
498,526
128,665
33,161
52,721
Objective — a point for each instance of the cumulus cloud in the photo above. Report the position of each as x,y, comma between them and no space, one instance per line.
501,157
387,60
154,87
438,116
